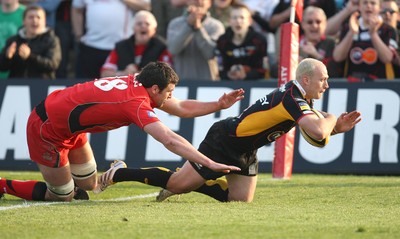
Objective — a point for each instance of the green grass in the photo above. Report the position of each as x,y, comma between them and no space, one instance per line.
307,206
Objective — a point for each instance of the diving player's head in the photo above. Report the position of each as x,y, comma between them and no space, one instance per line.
160,80
313,77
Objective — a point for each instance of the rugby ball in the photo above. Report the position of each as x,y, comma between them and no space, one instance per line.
309,139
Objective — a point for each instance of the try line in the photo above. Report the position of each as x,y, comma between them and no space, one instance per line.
26,204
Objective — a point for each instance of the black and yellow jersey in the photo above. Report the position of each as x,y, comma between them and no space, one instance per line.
268,118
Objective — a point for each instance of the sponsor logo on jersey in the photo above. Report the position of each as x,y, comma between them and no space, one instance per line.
274,135
151,114
304,106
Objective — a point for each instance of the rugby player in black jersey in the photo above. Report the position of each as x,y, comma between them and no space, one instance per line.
235,140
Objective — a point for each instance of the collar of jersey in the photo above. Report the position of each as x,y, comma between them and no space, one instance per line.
303,92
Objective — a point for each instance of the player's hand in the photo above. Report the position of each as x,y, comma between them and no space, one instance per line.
347,121
227,100
218,167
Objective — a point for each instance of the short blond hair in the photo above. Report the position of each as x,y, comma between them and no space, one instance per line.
307,68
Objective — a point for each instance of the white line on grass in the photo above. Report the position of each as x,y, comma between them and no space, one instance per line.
26,204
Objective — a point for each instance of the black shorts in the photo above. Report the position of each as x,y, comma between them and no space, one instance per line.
217,147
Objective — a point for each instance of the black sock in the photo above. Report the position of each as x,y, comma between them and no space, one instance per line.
217,189
39,191
157,176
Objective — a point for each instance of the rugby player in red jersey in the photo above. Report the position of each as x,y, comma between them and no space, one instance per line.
57,129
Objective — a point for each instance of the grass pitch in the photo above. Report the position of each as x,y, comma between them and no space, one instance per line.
306,206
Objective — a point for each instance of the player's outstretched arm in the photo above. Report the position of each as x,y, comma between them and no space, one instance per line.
180,146
346,121
194,108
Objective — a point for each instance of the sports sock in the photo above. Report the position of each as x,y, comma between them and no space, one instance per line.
29,190
156,176
217,189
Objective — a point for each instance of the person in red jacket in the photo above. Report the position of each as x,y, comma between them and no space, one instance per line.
130,55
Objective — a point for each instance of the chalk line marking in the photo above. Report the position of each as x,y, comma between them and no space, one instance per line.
27,204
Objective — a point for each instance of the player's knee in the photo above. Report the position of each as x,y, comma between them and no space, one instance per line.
232,197
84,171
62,192
177,186
84,174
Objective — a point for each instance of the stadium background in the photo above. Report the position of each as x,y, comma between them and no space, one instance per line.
371,148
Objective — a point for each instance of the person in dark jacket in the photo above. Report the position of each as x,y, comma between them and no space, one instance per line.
130,55
34,52
241,50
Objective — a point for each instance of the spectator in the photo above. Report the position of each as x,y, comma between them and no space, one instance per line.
365,45
106,23
314,43
11,17
130,55
335,22
191,39
35,51
165,11
221,10
241,49
261,13
50,7
390,12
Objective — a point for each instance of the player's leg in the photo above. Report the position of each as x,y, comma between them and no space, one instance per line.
83,164
185,180
189,179
26,189
51,159
60,185
118,172
241,187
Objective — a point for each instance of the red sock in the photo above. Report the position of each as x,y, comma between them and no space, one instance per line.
29,190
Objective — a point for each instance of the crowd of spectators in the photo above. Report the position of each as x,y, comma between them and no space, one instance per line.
202,39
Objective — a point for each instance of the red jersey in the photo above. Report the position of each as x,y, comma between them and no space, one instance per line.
98,106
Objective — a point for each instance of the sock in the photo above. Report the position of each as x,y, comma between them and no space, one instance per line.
217,189
156,176
29,190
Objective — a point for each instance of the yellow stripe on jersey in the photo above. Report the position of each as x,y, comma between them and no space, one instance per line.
262,120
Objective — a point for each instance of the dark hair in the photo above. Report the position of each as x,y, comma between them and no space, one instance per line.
157,73
33,7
